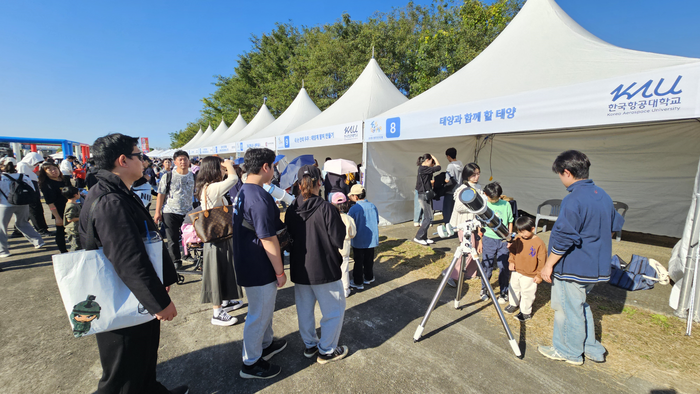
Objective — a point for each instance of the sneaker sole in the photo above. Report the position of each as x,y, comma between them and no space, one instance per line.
357,287
225,323
336,358
561,359
249,376
232,308
269,356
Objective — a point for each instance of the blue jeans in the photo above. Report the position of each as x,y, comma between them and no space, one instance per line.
257,332
331,300
417,210
427,216
495,254
574,330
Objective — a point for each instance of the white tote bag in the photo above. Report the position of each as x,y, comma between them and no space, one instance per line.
95,298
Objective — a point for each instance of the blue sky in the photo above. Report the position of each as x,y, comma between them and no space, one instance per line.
82,69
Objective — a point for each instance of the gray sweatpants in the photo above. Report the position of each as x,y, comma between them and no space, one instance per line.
21,213
257,332
331,300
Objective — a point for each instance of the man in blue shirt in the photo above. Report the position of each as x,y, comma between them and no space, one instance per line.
258,262
580,248
366,218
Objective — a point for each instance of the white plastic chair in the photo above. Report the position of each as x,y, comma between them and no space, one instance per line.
622,208
553,213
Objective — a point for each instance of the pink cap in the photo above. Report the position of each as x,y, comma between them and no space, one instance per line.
338,198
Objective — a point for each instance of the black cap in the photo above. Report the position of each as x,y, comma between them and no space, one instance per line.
311,170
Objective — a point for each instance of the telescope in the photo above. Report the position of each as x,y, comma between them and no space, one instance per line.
476,204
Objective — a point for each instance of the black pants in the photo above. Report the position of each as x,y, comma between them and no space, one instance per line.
36,211
173,222
129,357
61,239
364,262
448,204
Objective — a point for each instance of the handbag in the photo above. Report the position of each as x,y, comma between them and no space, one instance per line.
94,296
214,224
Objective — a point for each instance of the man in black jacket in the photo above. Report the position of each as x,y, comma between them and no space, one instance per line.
128,355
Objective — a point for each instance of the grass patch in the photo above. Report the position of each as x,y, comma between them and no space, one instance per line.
649,346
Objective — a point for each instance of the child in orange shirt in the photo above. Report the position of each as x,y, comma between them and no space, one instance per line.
528,254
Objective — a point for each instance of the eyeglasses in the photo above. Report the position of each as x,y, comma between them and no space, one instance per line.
139,155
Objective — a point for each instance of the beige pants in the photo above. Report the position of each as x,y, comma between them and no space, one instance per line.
524,288
344,267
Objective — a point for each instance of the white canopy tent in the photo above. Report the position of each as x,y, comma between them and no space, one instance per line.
546,85
193,149
232,143
193,140
206,144
301,110
337,131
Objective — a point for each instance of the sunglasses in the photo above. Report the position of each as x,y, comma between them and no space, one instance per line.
139,155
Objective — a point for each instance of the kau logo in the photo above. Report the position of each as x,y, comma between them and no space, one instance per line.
645,89
351,132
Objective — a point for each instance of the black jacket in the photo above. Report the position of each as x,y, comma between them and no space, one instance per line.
119,227
425,175
336,184
318,233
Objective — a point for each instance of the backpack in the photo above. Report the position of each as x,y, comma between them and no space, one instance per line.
20,192
640,274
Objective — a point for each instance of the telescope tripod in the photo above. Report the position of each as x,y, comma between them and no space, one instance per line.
461,254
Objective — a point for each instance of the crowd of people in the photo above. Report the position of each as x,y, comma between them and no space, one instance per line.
329,218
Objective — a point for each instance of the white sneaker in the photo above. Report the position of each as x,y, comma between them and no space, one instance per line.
6,254
416,224
41,245
429,241
420,241
223,319
232,306
502,300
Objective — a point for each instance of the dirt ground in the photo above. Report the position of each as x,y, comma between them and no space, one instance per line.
638,329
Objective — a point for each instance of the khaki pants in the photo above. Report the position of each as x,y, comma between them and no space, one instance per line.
524,288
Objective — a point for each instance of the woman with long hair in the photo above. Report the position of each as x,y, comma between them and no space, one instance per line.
219,286
51,181
427,166
315,265
20,212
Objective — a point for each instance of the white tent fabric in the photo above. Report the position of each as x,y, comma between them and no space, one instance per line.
545,72
237,125
337,131
341,123
194,150
206,143
232,144
301,110
193,140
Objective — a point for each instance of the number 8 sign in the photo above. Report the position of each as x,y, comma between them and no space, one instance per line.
393,127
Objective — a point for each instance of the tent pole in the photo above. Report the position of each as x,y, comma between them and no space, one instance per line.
689,271
363,172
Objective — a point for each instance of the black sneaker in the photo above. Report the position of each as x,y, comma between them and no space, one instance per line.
510,309
260,370
16,234
180,390
338,354
308,353
274,348
46,233
523,316
178,265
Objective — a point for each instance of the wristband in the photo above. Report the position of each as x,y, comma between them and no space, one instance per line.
54,209
280,275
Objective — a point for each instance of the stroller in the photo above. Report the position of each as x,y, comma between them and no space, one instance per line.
192,246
